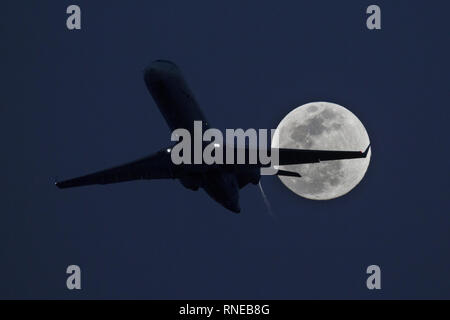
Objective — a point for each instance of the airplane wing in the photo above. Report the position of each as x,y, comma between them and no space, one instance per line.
294,156
157,166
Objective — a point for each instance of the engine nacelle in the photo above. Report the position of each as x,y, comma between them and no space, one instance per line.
191,182
249,176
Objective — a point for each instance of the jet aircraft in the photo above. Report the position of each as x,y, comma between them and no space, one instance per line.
180,109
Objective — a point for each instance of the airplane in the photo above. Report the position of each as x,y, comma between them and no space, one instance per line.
221,182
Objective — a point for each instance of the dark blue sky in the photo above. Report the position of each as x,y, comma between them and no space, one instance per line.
74,101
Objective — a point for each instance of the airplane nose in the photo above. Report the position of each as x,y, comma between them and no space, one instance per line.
159,71
159,67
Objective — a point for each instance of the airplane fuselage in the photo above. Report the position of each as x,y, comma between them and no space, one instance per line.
180,109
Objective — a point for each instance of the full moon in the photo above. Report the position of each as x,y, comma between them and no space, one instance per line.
323,126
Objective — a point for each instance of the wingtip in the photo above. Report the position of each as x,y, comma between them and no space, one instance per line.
366,151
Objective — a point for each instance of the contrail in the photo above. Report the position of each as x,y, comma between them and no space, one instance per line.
266,201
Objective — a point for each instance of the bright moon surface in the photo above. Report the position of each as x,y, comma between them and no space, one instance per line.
323,126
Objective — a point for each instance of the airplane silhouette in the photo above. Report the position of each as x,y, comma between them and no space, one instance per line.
221,181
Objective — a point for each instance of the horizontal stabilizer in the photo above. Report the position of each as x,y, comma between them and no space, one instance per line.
288,173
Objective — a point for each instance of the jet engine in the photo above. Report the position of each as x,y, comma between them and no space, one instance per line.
191,182
249,176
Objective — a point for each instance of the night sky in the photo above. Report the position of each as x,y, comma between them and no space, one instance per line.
73,102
